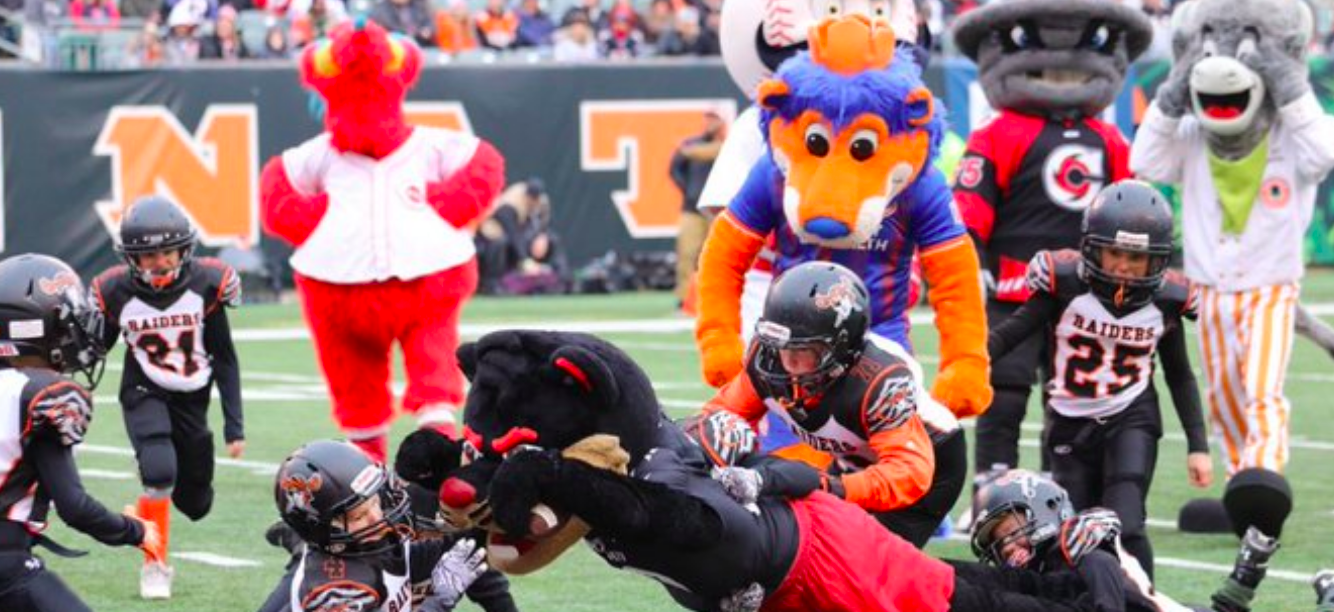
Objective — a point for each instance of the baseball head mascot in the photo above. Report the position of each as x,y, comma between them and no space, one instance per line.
757,37
1237,126
1049,68
377,211
851,131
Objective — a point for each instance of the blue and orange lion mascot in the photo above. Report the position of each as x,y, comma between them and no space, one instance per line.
852,132
378,212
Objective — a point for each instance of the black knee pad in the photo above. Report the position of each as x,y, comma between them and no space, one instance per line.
193,502
157,462
193,495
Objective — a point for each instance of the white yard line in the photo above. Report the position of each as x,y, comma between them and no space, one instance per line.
1219,568
215,560
264,468
105,474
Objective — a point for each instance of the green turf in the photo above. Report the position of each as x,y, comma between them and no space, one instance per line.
108,578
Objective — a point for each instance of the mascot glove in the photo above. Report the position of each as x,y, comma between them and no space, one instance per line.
518,486
1286,79
1173,95
741,484
457,570
964,387
1088,531
748,599
723,355
601,451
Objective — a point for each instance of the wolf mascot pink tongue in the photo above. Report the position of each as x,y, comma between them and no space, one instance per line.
1238,127
377,211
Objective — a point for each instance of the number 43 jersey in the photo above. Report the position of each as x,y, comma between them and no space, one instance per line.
1102,358
171,335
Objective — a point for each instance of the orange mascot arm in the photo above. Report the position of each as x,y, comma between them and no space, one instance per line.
467,194
287,213
964,381
728,253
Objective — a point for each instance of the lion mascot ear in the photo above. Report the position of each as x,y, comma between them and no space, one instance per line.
583,369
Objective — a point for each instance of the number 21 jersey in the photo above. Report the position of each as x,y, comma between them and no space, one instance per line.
165,331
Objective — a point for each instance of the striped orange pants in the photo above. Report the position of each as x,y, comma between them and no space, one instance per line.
1245,343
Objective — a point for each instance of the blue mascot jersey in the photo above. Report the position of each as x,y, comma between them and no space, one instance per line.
922,216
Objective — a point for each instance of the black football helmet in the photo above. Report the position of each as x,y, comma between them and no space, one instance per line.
44,312
817,305
322,481
1041,504
154,224
1131,216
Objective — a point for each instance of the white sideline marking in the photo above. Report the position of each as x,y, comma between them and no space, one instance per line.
1219,568
105,474
627,326
215,560
258,467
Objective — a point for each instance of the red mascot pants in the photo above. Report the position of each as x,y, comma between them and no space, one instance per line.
848,562
355,327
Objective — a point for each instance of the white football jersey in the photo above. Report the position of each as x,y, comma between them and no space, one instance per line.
1102,362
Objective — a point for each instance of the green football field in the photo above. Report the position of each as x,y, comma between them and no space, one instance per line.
223,563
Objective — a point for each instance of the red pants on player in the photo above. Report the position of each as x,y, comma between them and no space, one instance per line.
355,327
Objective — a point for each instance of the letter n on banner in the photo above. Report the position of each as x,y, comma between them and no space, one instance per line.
438,114
212,174
639,137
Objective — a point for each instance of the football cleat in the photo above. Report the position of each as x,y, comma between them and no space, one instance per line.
1324,589
1253,557
155,581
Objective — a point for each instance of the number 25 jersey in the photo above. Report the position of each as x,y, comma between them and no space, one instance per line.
1101,359
165,331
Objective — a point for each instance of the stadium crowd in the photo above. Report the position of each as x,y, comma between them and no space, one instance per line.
176,32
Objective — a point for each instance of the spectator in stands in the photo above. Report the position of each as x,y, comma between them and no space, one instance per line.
242,5
661,19
576,42
312,19
225,43
140,9
686,36
44,16
9,29
182,44
622,38
201,11
517,251
535,25
145,51
497,26
455,29
94,14
275,43
591,10
690,169
710,44
410,17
